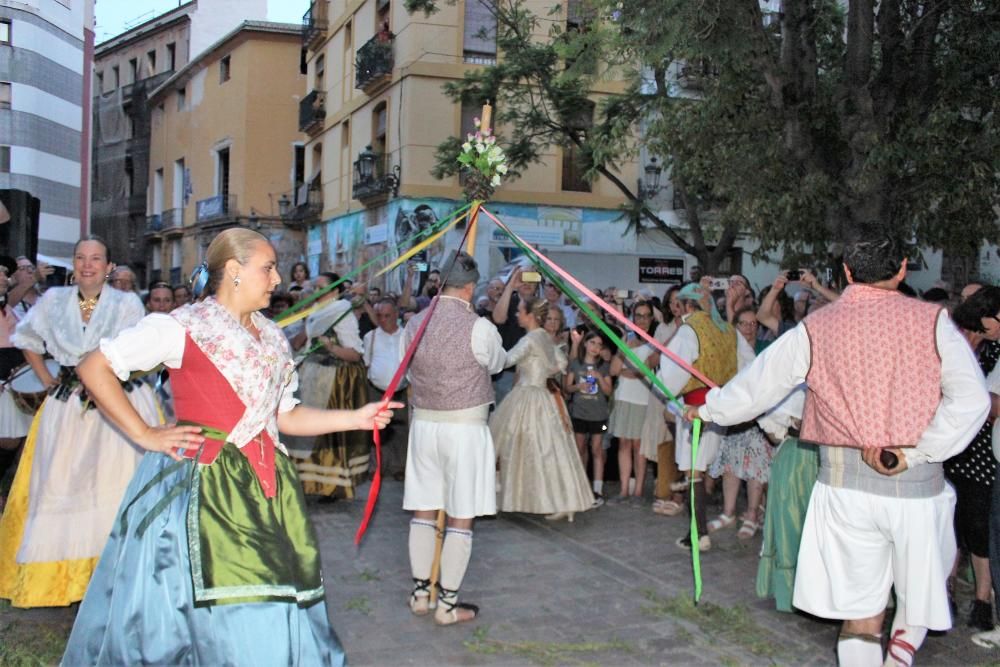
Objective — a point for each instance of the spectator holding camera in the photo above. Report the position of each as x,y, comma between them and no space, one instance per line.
505,318
776,313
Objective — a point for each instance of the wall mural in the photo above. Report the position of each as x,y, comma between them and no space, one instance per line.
344,243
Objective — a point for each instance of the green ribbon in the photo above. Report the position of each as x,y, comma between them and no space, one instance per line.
640,366
432,229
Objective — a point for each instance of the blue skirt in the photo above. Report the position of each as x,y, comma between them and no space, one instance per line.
140,607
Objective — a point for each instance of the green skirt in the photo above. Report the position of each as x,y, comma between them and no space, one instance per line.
793,473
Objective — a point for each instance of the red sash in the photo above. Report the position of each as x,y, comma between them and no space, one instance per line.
203,395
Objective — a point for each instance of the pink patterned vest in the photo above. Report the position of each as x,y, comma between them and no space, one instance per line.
875,375
444,372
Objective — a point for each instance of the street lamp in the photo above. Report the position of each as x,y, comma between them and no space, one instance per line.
364,166
651,186
284,205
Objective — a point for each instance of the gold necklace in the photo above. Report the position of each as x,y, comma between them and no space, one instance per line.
87,306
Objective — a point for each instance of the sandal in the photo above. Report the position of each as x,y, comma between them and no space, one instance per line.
747,530
667,507
679,486
449,607
722,521
420,598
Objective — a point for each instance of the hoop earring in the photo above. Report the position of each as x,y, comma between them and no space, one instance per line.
236,282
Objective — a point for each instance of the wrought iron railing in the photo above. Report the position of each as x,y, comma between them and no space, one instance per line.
315,21
172,218
312,111
376,184
154,223
373,62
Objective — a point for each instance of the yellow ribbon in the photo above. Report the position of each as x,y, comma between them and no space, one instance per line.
420,246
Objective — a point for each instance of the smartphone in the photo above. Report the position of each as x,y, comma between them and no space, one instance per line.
531,277
621,294
793,275
719,283
421,266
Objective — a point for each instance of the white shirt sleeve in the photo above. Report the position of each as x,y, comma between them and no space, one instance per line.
761,385
685,345
784,415
487,346
964,404
156,339
368,344
349,334
518,352
288,400
33,328
744,353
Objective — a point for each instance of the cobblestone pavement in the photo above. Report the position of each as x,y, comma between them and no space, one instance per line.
609,589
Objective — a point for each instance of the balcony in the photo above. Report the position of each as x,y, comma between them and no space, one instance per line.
219,208
312,112
314,23
154,223
306,203
373,179
172,220
696,76
373,64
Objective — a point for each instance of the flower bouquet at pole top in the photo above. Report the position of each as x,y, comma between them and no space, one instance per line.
483,164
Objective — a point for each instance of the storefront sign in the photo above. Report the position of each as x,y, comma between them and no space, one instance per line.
661,270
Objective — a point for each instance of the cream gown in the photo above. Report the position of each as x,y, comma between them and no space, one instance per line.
540,469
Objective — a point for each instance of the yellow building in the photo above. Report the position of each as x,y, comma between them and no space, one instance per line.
223,147
375,104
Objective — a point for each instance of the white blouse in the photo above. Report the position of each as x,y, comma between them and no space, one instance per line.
54,323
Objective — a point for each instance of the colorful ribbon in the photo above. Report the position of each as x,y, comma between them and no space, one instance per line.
296,312
604,305
695,552
420,246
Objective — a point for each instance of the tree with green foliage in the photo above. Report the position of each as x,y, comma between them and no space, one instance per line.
803,125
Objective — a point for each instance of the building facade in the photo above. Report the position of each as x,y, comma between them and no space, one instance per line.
374,112
127,69
46,47
223,141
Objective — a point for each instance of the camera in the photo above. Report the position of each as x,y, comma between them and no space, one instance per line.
420,266
531,277
719,283
621,294
793,275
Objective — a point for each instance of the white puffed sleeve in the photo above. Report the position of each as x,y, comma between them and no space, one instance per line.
155,339
35,326
288,400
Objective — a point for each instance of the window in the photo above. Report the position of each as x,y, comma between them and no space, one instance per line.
320,73
379,122
4,95
157,258
129,176
151,59
171,56
299,167
133,69
100,83
158,192
479,39
224,71
116,79
4,31
348,60
4,159
222,172
181,99
178,184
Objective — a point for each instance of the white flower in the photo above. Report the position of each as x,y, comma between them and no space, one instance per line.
495,182
466,147
502,169
480,148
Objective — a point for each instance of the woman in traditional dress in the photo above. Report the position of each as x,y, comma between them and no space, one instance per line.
333,376
75,465
212,562
540,469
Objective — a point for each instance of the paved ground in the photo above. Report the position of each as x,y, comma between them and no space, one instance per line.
609,589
